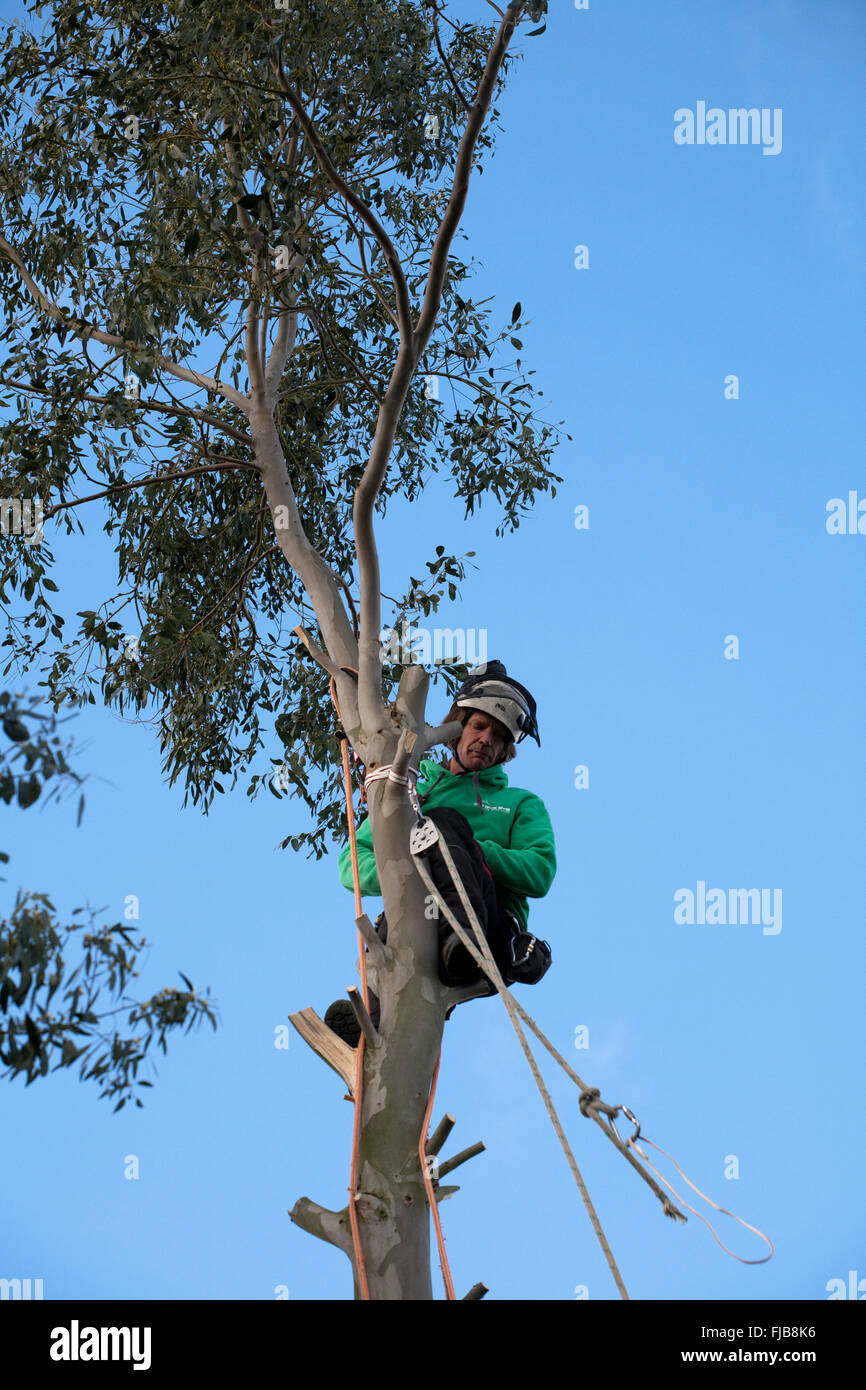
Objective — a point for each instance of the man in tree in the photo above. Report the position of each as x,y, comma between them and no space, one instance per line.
500,839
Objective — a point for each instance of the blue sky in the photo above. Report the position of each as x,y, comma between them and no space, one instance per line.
707,520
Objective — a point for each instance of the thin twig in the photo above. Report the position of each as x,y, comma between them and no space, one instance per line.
467,106
145,482
366,214
174,409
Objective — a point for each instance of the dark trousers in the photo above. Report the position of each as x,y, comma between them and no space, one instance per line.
497,925
530,959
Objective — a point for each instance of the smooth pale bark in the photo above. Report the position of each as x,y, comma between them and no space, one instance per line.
395,1227
391,1202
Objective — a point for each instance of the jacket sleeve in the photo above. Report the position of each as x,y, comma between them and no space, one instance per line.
527,866
366,863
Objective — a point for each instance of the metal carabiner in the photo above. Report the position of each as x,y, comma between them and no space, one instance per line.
415,803
635,1121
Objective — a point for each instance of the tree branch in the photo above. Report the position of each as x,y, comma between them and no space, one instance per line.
404,314
364,1020
263,335
230,590
312,570
443,733
321,328
448,68
369,574
463,1156
462,171
317,654
255,370
86,332
146,482
287,325
408,357
440,1134
412,695
348,592
201,415
379,952
405,746
330,1226
255,237
284,346
362,249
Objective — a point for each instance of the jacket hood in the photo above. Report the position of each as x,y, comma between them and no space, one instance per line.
490,778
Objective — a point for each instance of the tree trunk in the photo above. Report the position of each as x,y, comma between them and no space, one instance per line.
394,1221
391,1201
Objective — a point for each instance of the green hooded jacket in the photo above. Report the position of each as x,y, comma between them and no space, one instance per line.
511,825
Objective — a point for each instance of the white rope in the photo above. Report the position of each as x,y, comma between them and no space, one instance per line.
387,774
485,960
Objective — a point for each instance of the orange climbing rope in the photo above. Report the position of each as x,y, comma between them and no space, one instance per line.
431,1193
360,1265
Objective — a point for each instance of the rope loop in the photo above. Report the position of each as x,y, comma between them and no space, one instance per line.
386,773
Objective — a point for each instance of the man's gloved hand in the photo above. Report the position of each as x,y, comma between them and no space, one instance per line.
531,959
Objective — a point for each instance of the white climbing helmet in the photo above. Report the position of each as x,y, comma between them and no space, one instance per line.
491,690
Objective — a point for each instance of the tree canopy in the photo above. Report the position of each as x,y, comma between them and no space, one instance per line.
158,193
83,968
231,297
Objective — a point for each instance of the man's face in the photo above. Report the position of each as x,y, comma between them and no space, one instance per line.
482,742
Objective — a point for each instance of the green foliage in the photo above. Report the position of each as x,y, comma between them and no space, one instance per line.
33,970
37,761
133,139
34,949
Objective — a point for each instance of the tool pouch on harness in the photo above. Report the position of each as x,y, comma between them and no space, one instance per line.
531,958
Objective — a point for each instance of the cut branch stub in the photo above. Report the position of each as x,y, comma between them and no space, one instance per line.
440,1133
378,950
364,1020
331,1226
462,1157
443,1193
317,1035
